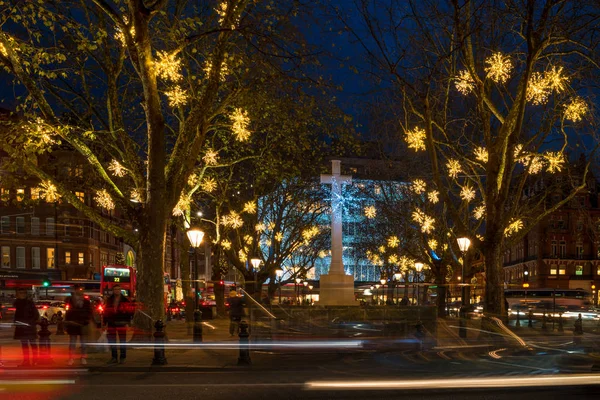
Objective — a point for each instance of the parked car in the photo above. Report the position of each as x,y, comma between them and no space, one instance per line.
49,309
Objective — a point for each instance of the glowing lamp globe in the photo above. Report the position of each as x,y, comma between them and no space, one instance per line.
463,244
195,236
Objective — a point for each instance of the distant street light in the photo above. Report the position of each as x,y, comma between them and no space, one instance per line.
255,267
418,268
195,236
463,244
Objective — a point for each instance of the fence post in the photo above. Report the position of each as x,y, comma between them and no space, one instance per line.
560,323
244,358
159,344
544,326
197,326
44,356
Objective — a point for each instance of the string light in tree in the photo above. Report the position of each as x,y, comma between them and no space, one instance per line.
208,185
233,220
260,227
464,82
541,85
467,193
117,169
418,186
370,212
393,242
576,110
182,205
226,244
135,196
250,207
310,233
432,243
177,97
168,66
279,236
49,192
514,226
415,139
479,212
555,161
433,196
104,200
211,157
498,67
481,154
393,259
208,66
453,168
240,122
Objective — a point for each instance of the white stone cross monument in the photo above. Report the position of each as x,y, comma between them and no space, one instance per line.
336,288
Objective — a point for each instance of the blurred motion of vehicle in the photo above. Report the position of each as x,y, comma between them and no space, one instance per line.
49,309
472,310
176,309
548,298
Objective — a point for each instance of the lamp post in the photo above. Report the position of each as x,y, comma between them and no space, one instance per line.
382,281
305,283
377,293
195,236
298,280
463,244
310,288
372,298
418,268
279,274
397,277
255,267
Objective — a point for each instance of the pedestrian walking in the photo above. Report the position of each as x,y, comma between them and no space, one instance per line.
77,319
26,319
117,315
236,312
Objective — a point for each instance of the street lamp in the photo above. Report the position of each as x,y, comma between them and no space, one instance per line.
397,277
279,274
372,288
255,267
310,288
298,280
463,244
195,236
382,281
418,268
377,286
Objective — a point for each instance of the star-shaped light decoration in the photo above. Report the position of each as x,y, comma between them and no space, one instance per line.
415,139
248,239
370,212
453,168
176,96
418,186
208,185
226,244
432,243
576,110
481,154
464,82
240,122
279,236
309,233
49,192
104,199
381,249
168,66
467,193
393,242
498,67
250,207
260,227
210,157
433,196
393,259
233,220
536,164
514,226
117,169
479,212
182,205
555,161
135,196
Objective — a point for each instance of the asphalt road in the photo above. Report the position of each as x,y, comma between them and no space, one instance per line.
374,375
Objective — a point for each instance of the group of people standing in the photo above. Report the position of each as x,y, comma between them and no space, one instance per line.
79,316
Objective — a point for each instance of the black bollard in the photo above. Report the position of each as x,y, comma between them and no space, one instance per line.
578,326
169,317
560,323
530,317
60,324
197,326
462,323
244,358
44,353
544,326
420,335
159,344
518,323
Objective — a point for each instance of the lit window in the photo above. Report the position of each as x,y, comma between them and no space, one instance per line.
50,261
67,257
80,260
20,194
553,270
4,194
561,270
80,196
579,270
6,257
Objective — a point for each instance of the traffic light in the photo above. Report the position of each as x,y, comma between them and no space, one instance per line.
46,283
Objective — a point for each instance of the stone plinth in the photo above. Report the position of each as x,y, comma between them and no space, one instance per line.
337,290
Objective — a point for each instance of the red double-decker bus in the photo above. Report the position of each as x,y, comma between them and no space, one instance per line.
121,275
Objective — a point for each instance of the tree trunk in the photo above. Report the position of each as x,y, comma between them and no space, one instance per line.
494,288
